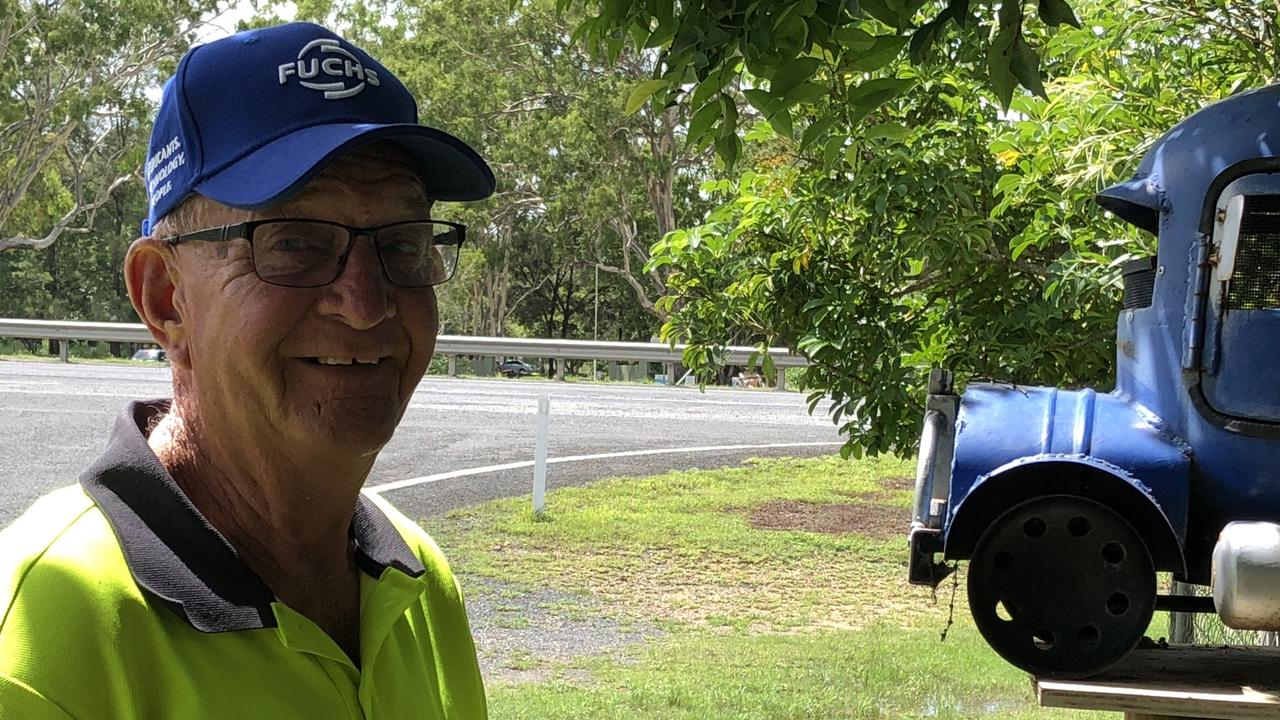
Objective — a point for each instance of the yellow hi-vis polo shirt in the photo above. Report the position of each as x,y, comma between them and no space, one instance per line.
118,601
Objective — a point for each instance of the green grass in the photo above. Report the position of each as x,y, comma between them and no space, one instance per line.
523,661
756,623
881,672
513,622
679,546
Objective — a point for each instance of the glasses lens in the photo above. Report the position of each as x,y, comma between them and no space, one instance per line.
298,253
419,254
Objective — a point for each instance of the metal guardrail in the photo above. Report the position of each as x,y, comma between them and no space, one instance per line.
68,330
594,350
449,346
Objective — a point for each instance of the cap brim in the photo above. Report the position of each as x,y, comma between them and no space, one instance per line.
450,169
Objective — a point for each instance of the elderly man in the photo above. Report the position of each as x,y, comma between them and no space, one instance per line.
219,561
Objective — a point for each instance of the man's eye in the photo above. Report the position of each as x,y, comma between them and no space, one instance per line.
295,244
402,247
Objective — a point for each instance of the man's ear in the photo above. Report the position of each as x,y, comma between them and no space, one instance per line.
154,283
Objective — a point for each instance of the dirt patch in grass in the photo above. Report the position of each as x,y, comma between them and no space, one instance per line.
873,520
523,635
898,483
764,594
896,490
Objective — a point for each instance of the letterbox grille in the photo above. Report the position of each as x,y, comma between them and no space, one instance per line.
1255,283
1139,278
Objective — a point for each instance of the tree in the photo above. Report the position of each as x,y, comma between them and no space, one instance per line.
583,184
791,54
75,74
937,230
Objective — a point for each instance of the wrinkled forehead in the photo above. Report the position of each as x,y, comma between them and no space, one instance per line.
381,169
373,175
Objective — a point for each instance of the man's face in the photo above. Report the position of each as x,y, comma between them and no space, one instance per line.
254,365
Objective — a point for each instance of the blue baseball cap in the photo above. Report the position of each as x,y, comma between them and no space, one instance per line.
247,120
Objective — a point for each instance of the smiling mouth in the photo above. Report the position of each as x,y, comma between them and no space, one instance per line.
344,360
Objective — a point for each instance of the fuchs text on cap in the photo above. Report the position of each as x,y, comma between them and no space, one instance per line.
247,120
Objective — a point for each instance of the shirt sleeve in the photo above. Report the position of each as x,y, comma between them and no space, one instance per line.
18,701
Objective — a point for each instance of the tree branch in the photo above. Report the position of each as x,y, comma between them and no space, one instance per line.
62,226
625,274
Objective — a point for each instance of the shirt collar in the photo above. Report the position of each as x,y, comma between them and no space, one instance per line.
175,554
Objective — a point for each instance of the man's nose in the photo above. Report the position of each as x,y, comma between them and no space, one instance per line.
360,296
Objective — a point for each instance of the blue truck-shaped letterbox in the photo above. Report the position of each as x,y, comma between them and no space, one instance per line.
1066,503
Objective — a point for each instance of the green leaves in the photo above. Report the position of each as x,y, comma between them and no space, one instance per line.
781,123
641,94
893,13
853,38
884,48
912,224
792,74
724,109
816,130
804,94
873,93
999,62
1057,12
1025,66
796,53
762,100
702,120
923,39
1010,60
713,84
729,116
76,77
887,131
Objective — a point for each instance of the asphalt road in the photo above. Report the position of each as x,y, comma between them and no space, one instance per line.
54,421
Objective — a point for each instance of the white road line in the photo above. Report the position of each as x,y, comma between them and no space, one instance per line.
792,402
410,482
105,412
131,395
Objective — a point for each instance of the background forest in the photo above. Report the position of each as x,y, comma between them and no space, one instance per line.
886,186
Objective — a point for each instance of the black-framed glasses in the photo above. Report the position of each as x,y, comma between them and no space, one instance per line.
303,253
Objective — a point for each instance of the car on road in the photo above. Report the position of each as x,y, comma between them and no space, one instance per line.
153,354
515,368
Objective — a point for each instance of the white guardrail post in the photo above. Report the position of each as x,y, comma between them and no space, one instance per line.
450,346
540,454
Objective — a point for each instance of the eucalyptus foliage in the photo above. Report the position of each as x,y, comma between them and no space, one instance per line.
74,121
583,185
74,75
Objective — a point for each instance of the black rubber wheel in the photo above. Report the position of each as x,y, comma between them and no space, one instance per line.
1061,586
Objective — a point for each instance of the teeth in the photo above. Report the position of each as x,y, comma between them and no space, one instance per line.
348,361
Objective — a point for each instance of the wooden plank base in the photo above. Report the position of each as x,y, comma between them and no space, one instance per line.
1180,681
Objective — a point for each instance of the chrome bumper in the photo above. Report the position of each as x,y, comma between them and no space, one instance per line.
933,482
